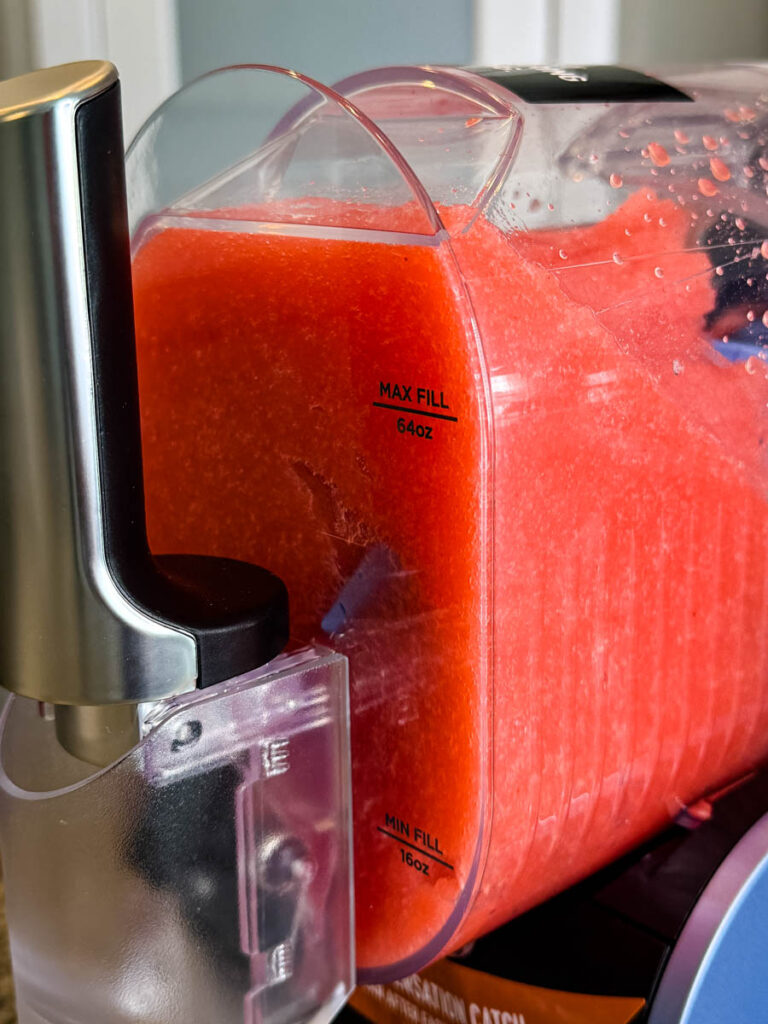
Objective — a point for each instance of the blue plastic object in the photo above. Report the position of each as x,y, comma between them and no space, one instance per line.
718,970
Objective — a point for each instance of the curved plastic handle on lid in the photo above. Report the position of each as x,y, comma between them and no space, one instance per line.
262,144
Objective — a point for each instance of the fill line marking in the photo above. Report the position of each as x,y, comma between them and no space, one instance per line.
415,412
405,842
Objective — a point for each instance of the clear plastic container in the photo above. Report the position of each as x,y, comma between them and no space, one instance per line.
477,358
203,877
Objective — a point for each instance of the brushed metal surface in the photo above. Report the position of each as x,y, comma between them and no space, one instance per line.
98,735
68,634
37,91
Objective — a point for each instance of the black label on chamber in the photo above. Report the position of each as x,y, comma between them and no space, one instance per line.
595,83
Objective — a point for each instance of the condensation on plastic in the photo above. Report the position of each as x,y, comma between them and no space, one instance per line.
586,528
204,876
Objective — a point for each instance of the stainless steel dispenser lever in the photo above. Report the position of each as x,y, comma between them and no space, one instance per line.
90,620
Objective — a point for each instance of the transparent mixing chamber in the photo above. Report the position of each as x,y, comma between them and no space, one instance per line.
477,357
277,350
205,876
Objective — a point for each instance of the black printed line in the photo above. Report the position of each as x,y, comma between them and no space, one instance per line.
405,842
416,412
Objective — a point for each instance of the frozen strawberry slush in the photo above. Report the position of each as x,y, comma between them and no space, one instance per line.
260,360
544,560
630,543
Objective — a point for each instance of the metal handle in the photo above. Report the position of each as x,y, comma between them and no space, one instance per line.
87,616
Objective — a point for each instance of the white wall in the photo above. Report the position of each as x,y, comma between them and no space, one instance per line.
641,32
156,43
675,31
139,36
15,42
327,39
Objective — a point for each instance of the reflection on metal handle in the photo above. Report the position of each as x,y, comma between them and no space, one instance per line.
69,429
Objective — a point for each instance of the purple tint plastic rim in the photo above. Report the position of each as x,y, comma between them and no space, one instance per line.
472,87
485,93
322,94
467,85
436,946
480,91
